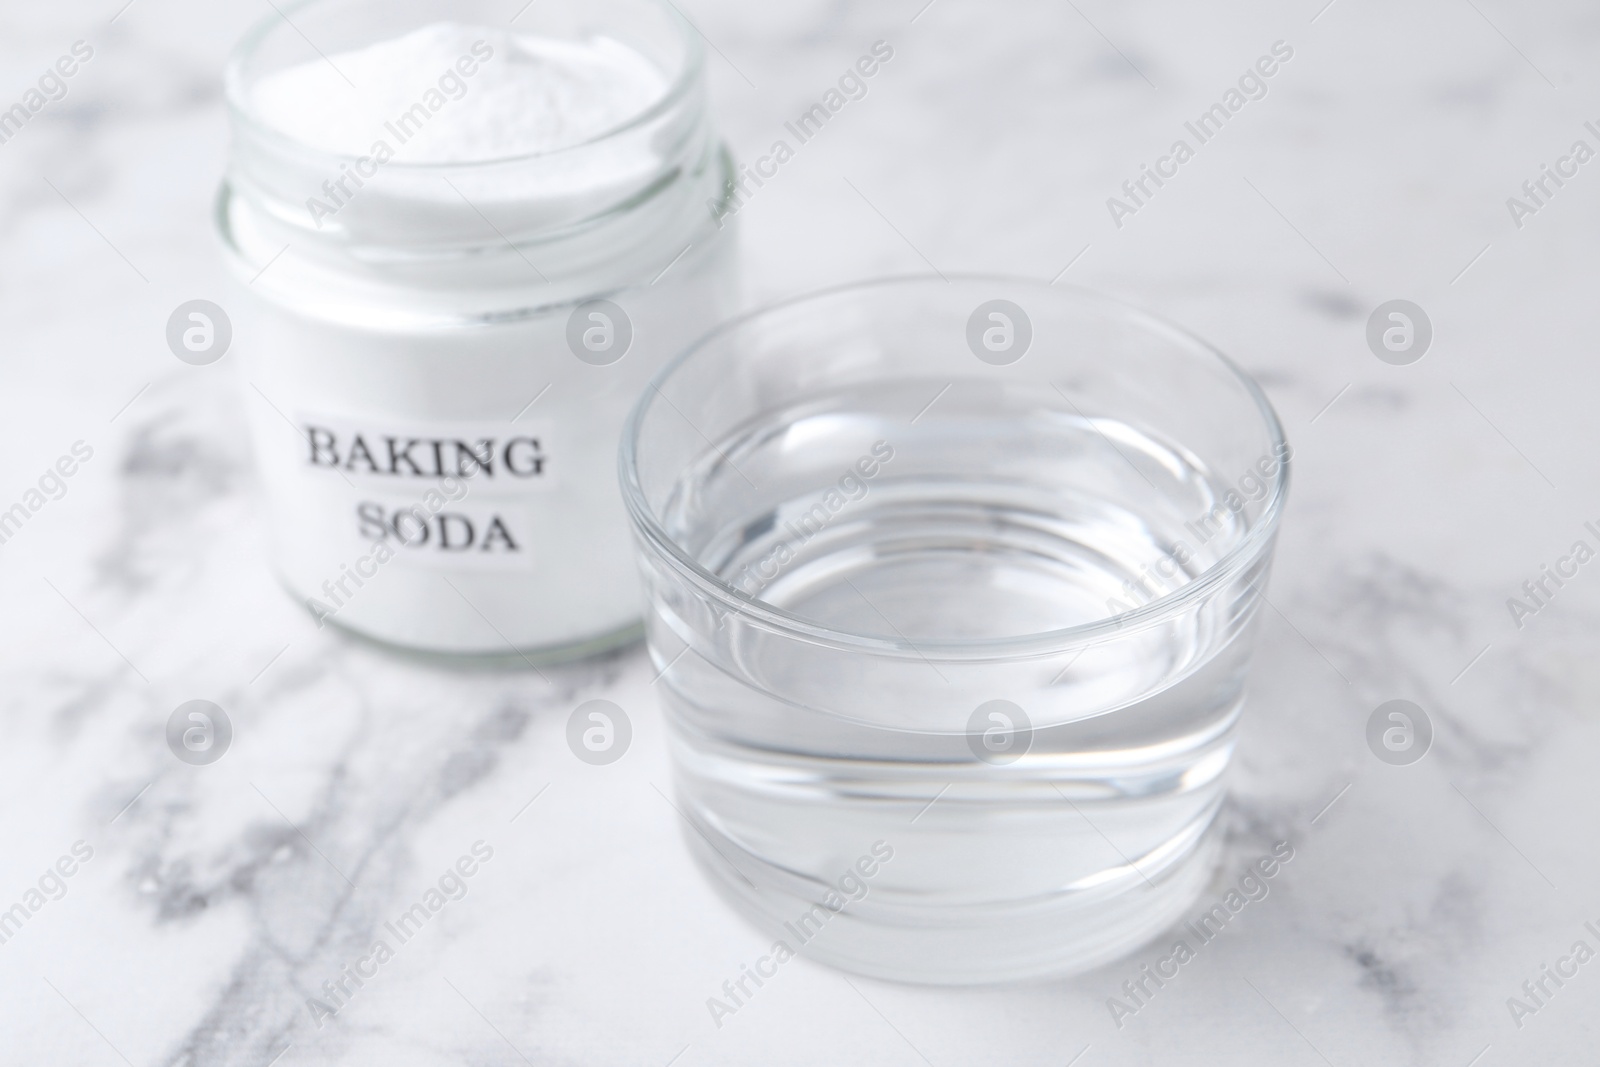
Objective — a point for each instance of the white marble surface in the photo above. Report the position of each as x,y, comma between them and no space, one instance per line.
1377,167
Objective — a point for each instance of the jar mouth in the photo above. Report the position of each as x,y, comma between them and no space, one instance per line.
660,541
498,215
237,86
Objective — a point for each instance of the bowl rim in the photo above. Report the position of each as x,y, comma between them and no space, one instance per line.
653,536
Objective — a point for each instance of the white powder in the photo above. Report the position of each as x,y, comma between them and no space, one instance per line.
532,94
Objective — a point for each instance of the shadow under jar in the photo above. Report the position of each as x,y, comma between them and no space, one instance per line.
951,585
449,297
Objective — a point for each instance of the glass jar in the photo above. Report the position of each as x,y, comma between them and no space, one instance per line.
439,356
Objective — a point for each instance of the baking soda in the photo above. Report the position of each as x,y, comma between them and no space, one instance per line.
525,94
438,459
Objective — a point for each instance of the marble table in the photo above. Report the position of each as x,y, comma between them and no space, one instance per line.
208,904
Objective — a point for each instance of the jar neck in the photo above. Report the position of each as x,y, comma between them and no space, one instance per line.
448,241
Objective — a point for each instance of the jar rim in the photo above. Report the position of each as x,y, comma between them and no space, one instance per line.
1231,563
242,115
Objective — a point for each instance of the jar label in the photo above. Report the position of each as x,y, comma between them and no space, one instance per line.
448,494
502,456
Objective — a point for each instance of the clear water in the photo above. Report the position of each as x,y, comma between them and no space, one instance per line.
983,524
